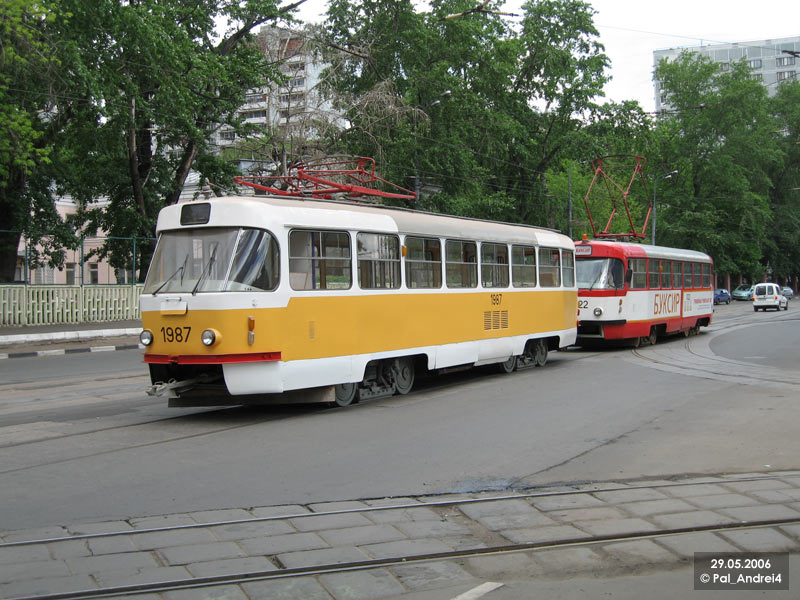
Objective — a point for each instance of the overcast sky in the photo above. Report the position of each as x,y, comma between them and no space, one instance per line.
631,30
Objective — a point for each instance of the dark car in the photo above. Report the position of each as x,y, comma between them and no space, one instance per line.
722,296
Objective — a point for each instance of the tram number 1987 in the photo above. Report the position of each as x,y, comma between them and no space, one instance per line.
497,299
176,334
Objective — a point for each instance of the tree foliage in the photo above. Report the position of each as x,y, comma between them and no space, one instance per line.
139,89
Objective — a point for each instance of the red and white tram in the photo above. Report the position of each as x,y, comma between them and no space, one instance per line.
637,292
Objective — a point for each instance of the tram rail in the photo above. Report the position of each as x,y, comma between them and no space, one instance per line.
495,549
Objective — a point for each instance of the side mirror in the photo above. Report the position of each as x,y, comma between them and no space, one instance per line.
628,276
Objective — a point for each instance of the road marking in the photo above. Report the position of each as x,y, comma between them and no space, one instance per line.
479,591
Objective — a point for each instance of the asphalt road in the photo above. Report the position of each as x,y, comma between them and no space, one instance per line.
81,441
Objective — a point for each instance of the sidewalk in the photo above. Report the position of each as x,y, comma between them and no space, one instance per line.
49,340
563,541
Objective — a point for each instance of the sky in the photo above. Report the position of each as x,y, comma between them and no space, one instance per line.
631,30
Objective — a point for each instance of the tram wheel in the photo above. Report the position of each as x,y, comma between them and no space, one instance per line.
403,369
345,393
540,353
653,337
509,365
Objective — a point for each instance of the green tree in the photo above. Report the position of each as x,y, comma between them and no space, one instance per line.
465,99
718,137
140,88
30,79
782,249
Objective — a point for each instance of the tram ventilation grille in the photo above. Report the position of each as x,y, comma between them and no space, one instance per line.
495,319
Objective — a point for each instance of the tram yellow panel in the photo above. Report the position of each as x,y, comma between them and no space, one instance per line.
322,326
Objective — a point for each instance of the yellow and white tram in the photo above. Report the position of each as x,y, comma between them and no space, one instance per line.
250,296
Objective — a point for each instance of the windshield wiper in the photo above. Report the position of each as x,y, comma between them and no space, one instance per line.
206,269
180,270
596,279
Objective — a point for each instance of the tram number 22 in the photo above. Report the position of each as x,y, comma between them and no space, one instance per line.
583,304
176,334
496,299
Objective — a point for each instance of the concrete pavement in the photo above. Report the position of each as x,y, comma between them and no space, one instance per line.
617,535
616,539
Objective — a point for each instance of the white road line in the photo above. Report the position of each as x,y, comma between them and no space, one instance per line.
479,591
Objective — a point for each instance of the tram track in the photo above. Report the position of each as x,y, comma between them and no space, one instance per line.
494,549
696,358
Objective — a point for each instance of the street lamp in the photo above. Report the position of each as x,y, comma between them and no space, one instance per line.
655,183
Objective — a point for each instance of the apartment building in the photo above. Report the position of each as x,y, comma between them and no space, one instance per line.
288,115
772,61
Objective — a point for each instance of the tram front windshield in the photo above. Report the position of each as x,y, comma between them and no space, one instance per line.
214,259
600,273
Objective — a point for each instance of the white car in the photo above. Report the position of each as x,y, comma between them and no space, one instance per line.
769,295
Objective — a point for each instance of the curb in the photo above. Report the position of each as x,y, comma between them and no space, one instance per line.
67,336
39,353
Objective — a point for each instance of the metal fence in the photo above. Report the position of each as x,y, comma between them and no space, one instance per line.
85,289
63,304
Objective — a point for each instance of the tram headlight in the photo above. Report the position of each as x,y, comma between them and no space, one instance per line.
146,337
598,312
209,337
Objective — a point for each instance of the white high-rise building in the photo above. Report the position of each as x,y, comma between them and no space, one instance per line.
288,115
772,61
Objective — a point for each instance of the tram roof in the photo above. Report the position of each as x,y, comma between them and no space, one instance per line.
314,213
649,251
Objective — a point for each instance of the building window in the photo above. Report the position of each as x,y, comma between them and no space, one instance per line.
255,98
255,114
494,265
754,64
786,75
784,61
378,261
228,136
423,263
94,273
71,270
725,66
756,76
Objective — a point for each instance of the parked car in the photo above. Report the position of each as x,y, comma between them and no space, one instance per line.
722,296
769,295
788,292
743,292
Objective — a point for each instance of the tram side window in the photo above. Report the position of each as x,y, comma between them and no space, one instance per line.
378,261
677,276
256,261
666,274
549,267
687,275
523,266
423,263
706,275
638,267
461,267
653,273
568,268
319,260
698,275
494,265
